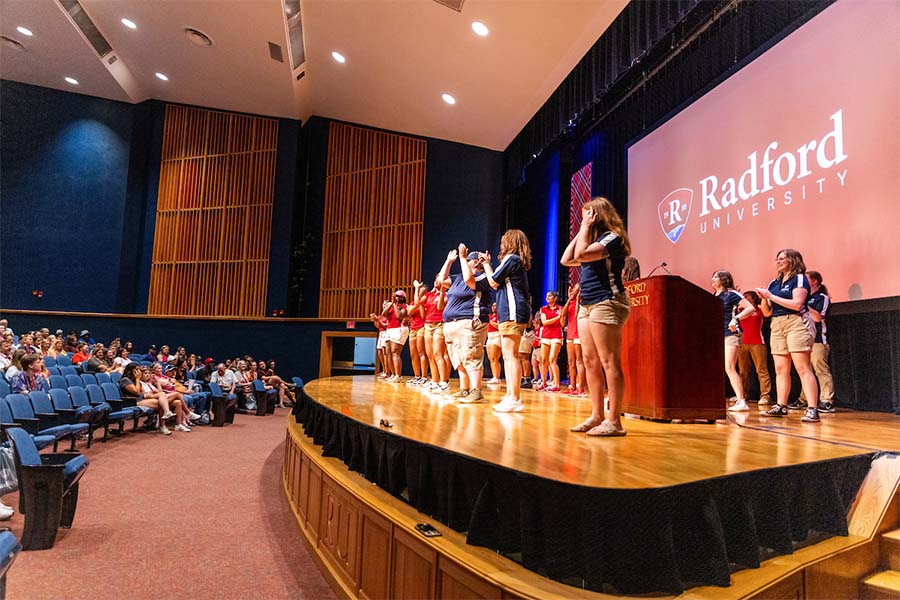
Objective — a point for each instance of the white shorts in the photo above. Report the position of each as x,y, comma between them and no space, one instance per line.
550,341
398,335
381,342
493,338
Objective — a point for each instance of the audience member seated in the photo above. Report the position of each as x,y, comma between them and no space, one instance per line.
4,328
244,385
272,381
57,348
30,378
15,365
122,360
175,398
81,354
26,343
71,343
130,388
151,390
97,362
85,336
6,353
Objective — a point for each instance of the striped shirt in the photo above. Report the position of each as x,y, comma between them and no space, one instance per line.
820,302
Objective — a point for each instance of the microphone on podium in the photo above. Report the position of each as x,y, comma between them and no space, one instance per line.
662,266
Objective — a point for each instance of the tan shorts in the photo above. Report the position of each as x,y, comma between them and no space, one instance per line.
792,333
435,329
465,343
511,328
526,343
614,311
733,341
416,333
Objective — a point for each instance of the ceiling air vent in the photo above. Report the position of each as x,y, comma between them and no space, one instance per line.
198,38
275,52
295,32
87,27
12,44
454,4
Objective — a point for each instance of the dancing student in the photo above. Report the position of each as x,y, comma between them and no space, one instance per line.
435,347
524,351
396,333
551,341
792,336
465,321
513,309
818,304
537,382
494,348
600,248
417,355
380,324
753,348
574,356
735,308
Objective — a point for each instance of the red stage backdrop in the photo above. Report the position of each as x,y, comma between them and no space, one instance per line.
580,194
799,149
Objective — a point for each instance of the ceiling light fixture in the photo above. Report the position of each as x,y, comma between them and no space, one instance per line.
24,31
198,38
338,57
480,28
161,76
448,98
129,24
71,80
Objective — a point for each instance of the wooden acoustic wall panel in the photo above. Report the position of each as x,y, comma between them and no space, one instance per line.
213,214
374,209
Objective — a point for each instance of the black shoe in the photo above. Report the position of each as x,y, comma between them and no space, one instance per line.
811,416
777,410
826,407
797,405
526,384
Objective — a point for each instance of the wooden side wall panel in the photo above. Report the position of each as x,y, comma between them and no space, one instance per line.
374,211
213,214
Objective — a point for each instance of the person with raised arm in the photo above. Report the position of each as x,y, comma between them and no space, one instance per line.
417,355
600,248
735,309
574,356
435,347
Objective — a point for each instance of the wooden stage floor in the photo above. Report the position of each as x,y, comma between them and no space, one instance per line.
537,440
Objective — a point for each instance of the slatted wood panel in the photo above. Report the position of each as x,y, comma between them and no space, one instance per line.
374,209
213,214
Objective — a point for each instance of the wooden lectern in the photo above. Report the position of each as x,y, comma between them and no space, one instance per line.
673,351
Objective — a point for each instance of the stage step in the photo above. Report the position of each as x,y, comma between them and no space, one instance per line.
890,549
881,586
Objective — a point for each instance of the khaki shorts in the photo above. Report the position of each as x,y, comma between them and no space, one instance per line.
614,311
733,341
435,329
792,333
465,343
416,333
511,328
526,343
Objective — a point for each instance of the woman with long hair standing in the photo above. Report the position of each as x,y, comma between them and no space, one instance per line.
435,347
551,341
417,355
735,308
600,248
513,309
792,335
818,302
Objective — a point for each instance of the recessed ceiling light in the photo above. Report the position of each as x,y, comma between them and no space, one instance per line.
480,28
448,98
72,80
24,31
129,24
161,76
338,57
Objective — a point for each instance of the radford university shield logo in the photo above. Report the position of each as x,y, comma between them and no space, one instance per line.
674,211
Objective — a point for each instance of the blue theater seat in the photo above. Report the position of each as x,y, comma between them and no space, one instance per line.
9,550
80,399
298,383
74,381
42,406
67,410
64,360
58,382
7,421
223,406
101,378
54,371
265,399
48,489
49,361
24,415
114,377
111,393
117,414
4,388
88,378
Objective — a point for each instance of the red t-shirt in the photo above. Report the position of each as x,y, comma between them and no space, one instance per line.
553,331
416,320
433,314
572,321
493,323
80,357
752,327
392,321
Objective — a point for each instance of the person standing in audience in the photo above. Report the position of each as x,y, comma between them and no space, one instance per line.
600,248
793,333
734,308
493,346
574,356
551,341
396,333
435,346
30,378
818,304
510,279
465,321
417,354
753,349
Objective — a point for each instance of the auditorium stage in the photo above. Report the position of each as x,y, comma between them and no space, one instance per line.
667,507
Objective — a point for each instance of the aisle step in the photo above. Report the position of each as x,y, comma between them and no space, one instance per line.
890,549
881,586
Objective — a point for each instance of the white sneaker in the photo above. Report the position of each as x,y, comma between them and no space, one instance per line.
164,430
182,427
493,381
739,405
194,416
443,387
508,405
168,415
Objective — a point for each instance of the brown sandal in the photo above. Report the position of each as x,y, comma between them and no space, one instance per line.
588,424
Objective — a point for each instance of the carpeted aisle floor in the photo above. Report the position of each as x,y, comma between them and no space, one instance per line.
198,514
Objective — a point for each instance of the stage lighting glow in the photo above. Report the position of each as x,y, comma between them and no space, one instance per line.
24,31
480,28
161,76
71,80
129,24
448,98
338,57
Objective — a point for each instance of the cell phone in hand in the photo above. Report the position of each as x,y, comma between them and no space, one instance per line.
427,530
